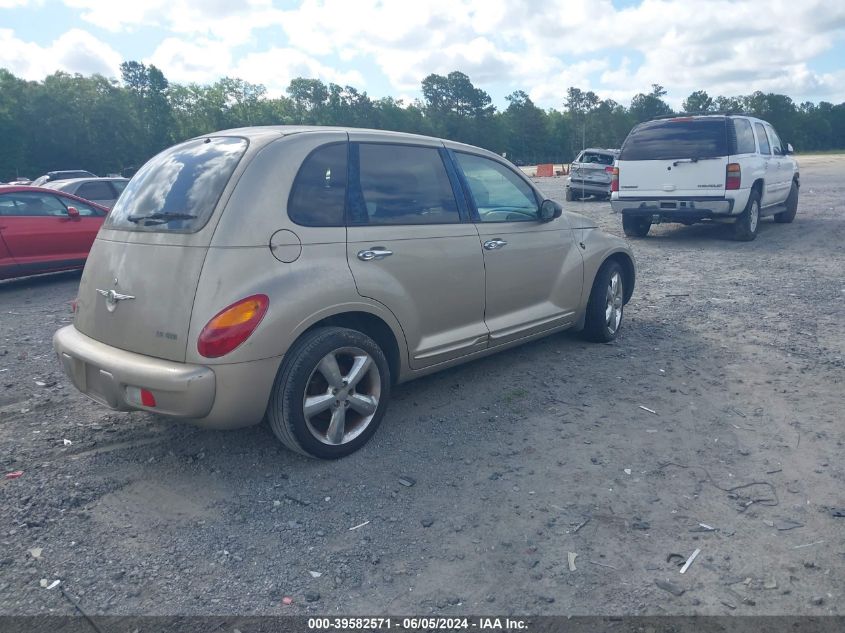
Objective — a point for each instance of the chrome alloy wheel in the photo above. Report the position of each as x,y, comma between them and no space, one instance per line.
341,396
615,300
753,216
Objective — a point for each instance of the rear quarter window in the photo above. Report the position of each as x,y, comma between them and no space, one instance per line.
318,195
670,139
178,189
744,137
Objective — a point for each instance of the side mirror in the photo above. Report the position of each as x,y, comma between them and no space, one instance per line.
789,149
549,210
73,212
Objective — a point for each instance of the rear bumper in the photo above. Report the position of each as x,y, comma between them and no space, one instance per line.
588,186
674,209
181,390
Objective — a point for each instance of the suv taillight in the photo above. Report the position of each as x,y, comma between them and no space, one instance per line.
733,176
614,179
232,326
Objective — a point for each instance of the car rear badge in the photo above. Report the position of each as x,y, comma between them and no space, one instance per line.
112,298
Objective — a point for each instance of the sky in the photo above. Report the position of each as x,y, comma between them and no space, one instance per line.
616,48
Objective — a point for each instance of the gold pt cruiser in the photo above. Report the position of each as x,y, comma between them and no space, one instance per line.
297,273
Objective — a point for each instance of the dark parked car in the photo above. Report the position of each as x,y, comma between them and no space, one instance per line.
62,175
104,191
44,231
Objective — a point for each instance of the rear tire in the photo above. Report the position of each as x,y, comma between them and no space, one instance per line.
321,406
791,206
748,223
635,226
606,305
569,196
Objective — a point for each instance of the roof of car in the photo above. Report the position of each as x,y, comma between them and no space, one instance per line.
601,150
264,131
286,130
55,184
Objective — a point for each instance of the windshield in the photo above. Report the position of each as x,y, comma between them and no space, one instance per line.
671,139
178,189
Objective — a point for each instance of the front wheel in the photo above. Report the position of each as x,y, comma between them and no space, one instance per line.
748,223
330,394
791,206
635,226
606,305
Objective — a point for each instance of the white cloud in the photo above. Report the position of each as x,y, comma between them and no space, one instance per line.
75,51
230,22
206,61
203,61
276,67
723,46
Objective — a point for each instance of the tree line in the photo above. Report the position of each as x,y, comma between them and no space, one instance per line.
109,126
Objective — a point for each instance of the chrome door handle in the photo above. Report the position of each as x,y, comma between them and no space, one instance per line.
376,252
492,245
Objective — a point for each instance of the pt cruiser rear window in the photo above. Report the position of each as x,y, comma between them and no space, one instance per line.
178,189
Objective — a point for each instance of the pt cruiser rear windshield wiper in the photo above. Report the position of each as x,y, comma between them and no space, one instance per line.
160,218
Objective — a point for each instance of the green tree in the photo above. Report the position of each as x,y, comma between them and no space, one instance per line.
645,107
699,101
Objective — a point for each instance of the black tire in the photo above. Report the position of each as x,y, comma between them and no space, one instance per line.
569,196
635,226
747,225
597,325
791,206
299,374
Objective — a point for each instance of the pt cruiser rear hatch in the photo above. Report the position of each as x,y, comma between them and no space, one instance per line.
138,288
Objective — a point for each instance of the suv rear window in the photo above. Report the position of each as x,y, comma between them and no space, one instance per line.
670,139
178,189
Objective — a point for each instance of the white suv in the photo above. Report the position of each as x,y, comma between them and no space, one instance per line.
719,168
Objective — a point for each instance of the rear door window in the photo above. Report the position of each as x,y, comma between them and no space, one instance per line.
178,189
97,190
402,184
670,139
777,146
319,191
744,137
765,148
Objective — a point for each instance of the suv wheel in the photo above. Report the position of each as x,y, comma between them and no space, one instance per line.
791,206
569,196
634,226
606,305
330,393
748,223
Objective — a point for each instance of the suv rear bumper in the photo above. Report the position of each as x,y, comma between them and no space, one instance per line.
110,375
674,209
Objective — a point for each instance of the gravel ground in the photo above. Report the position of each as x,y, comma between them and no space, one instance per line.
515,462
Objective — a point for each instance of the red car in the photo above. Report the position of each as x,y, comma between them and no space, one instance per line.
43,230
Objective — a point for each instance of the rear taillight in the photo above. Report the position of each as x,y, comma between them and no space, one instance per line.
232,326
733,176
614,179
608,170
